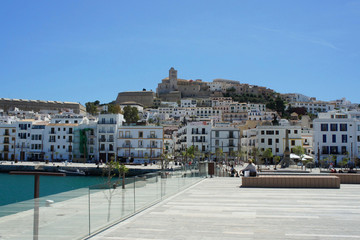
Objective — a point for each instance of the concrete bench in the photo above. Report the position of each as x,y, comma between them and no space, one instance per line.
348,178
294,181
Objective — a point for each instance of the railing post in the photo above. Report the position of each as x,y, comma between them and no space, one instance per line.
134,194
89,213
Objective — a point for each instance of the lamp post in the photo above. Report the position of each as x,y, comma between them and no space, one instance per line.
36,195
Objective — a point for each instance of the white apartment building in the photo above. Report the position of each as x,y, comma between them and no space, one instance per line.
221,101
295,97
314,107
107,128
7,141
226,138
58,141
195,134
274,137
185,103
337,134
140,144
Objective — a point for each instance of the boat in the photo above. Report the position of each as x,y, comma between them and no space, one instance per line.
76,172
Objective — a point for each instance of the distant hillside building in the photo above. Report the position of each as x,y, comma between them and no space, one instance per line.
173,89
37,105
145,98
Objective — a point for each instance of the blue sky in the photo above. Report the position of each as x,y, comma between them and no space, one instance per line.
90,50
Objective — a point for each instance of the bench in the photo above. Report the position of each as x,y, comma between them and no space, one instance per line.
294,181
348,178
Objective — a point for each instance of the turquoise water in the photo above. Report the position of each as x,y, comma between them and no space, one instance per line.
17,188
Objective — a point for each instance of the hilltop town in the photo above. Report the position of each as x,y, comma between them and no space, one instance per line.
183,119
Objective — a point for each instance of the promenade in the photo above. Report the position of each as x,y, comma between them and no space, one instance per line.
216,208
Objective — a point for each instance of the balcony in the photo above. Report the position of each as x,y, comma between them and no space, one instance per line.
102,140
110,140
52,132
6,134
107,122
6,141
152,146
152,136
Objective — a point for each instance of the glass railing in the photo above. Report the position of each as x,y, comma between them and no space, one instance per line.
83,212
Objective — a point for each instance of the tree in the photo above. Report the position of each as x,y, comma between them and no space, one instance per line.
131,114
255,153
114,109
113,172
276,160
300,151
267,154
91,107
164,160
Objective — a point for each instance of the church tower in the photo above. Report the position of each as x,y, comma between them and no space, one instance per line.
173,79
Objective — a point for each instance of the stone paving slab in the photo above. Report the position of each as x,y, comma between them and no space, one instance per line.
216,208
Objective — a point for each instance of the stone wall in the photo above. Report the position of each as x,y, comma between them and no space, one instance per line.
38,105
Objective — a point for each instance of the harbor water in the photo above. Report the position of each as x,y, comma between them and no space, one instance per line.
17,188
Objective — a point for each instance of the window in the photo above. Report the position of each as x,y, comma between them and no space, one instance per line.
358,127
292,142
344,138
295,131
333,127
358,138
324,127
217,134
325,150
120,134
277,150
333,138
277,132
334,150
262,132
276,140
343,150
140,134
269,132
262,140
324,138
269,141
343,127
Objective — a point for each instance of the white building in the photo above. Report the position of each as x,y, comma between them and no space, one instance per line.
107,128
274,137
195,134
7,141
295,97
226,138
140,143
188,103
337,134
315,107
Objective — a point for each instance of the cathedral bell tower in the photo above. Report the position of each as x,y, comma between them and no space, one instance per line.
173,79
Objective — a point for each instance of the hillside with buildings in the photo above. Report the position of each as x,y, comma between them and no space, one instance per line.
186,120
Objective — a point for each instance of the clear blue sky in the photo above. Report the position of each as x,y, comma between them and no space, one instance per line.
87,50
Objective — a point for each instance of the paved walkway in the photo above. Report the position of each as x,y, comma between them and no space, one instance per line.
217,208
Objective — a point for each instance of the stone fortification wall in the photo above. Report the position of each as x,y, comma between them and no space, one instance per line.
38,105
145,98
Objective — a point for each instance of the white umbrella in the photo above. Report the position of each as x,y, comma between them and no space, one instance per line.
306,157
294,156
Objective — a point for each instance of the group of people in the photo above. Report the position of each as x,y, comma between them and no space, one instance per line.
250,167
